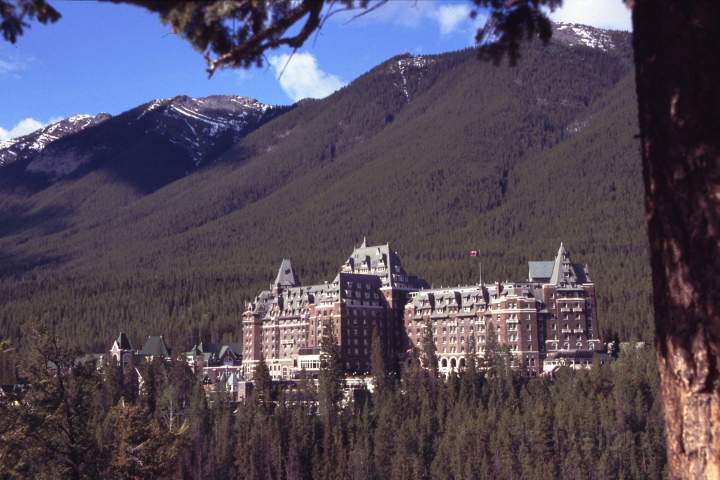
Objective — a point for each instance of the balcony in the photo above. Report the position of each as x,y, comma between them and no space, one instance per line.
577,309
566,330
565,309
579,330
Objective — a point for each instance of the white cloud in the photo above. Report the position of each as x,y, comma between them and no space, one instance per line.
12,65
611,14
407,14
450,17
454,16
7,67
300,77
23,127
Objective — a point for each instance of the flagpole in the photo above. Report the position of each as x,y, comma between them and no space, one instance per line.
476,253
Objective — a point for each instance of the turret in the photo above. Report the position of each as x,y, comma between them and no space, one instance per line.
122,351
286,276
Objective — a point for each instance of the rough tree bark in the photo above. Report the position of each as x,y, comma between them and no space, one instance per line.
677,59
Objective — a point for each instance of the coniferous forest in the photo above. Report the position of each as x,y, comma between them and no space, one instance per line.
465,156
487,422
507,160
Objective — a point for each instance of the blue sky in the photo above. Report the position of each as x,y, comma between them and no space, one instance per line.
109,58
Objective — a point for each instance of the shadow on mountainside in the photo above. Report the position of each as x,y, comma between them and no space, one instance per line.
15,219
134,149
17,263
18,224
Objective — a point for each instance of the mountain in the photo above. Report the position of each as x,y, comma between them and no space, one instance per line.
154,143
437,155
27,147
591,37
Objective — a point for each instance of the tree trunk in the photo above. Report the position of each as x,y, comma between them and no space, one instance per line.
677,59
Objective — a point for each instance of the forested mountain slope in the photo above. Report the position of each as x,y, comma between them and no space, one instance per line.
436,155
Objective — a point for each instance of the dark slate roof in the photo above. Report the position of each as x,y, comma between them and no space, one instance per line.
581,272
123,342
286,275
232,348
540,270
563,271
559,271
208,347
382,261
155,347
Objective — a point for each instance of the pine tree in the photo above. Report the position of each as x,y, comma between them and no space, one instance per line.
113,382
150,386
496,356
377,361
331,376
56,419
131,453
470,376
429,350
200,421
262,385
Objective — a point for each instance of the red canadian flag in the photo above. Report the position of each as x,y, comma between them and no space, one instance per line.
474,253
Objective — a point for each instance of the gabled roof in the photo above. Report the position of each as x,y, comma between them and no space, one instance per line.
381,261
123,342
194,351
566,272
209,349
540,271
286,275
230,348
155,347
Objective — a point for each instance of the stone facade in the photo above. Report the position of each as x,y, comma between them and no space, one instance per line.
285,325
553,312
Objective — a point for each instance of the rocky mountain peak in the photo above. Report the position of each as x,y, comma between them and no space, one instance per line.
406,66
573,34
196,129
201,123
33,143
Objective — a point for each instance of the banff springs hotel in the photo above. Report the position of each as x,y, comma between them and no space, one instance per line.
546,321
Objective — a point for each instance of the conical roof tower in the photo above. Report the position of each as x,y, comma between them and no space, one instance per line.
563,270
286,276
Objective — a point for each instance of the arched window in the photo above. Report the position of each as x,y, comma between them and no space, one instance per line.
462,363
443,363
453,363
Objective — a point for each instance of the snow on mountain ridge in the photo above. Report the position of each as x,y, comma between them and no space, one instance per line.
203,122
200,127
404,65
35,142
576,34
